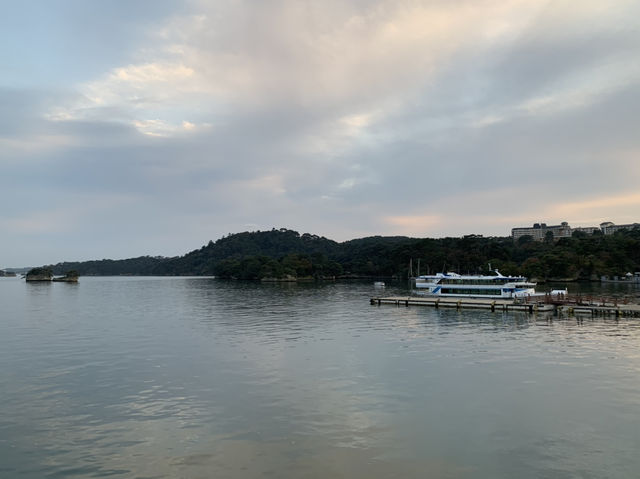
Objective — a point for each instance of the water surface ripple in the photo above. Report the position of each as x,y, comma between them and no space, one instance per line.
199,378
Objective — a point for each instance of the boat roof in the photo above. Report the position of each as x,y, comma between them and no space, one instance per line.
451,274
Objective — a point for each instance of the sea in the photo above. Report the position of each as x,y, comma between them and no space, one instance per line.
177,377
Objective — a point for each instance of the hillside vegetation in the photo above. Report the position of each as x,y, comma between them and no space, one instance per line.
281,253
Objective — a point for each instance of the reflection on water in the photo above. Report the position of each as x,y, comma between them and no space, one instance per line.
194,377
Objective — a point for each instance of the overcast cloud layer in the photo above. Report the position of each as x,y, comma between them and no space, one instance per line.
131,128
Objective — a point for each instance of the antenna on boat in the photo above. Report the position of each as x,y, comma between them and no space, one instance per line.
418,273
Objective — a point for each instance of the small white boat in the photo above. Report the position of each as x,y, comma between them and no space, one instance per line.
559,293
379,284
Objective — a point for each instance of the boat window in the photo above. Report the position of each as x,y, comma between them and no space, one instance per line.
472,291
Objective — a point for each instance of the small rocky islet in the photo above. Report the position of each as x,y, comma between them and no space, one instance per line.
46,274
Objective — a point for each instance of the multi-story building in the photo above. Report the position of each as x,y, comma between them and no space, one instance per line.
609,228
586,229
539,231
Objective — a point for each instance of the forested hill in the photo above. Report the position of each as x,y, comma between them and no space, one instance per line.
234,254
277,244
281,252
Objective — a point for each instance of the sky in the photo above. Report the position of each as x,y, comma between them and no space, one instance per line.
132,128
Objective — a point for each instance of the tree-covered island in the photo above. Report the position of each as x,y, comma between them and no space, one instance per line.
283,254
40,274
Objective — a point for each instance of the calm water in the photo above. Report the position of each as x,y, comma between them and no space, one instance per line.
198,378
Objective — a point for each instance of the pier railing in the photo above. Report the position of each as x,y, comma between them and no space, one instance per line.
578,300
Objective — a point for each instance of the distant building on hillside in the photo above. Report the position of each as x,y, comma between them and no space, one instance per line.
586,229
609,228
539,231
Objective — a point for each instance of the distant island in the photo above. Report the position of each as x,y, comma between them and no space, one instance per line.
283,254
39,274
47,274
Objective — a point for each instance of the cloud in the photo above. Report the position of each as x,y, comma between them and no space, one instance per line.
288,53
413,225
342,118
141,85
62,212
626,206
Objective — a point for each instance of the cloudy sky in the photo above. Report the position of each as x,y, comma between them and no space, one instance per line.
134,127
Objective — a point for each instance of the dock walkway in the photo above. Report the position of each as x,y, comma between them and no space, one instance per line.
559,307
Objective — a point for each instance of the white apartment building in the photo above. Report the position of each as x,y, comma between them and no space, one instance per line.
539,230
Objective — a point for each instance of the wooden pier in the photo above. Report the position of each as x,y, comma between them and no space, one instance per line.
562,307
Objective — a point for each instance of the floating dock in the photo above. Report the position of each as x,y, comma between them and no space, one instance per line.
563,307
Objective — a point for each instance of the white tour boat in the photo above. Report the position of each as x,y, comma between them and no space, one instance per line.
476,286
